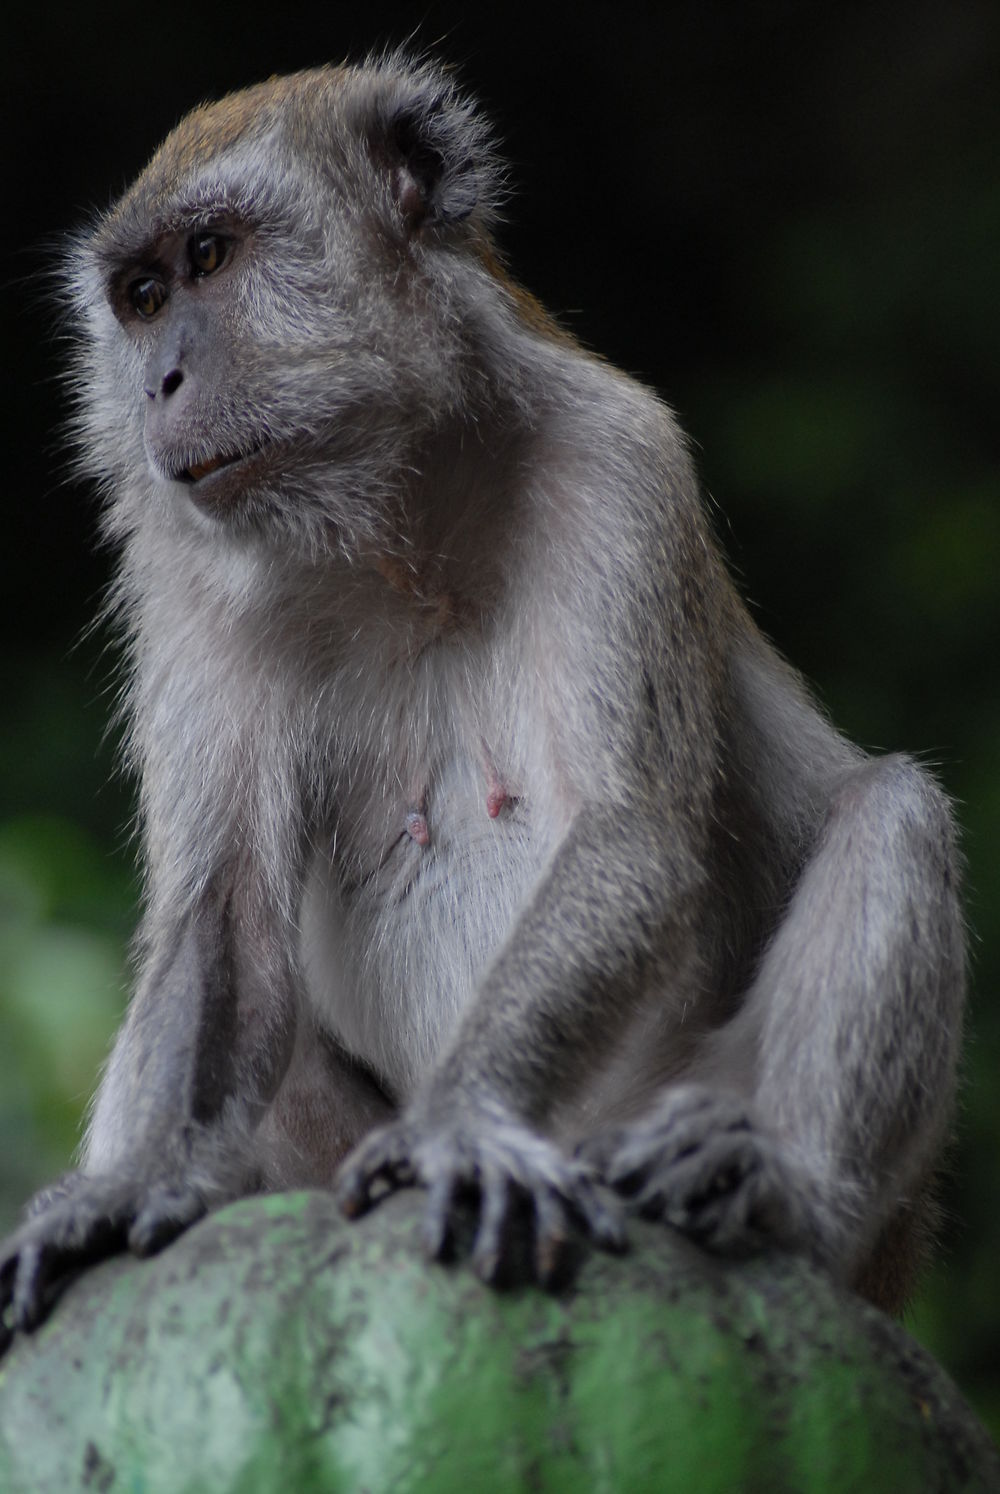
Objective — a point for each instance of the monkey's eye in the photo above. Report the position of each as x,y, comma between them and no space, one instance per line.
207,252
147,296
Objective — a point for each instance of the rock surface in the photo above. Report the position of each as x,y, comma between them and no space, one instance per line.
277,1347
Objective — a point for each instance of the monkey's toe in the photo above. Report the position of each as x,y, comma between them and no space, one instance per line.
700,1164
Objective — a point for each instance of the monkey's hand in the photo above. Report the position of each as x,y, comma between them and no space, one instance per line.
78,1221
701,1162
519,1183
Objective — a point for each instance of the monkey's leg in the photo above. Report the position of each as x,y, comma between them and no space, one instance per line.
202,1051
813,1115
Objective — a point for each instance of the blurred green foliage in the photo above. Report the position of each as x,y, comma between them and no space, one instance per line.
64,905
856,452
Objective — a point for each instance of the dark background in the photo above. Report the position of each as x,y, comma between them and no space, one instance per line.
784,216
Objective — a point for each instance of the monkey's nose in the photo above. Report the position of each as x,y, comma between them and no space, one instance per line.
169,384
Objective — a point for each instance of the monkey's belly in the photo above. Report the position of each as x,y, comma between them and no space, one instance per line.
392,960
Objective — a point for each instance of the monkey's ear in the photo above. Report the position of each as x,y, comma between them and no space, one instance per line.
428,139
434,139
434,177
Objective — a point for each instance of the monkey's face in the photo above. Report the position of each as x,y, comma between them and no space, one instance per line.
181,305
269,311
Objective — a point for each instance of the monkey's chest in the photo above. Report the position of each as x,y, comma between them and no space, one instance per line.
403,912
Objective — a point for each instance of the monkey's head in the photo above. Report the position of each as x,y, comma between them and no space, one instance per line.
285,300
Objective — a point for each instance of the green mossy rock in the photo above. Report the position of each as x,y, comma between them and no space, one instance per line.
277,1348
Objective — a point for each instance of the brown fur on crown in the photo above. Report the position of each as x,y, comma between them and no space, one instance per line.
211,129
208,131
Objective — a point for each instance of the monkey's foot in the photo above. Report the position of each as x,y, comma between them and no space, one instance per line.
517,1182
700,1163
75,1223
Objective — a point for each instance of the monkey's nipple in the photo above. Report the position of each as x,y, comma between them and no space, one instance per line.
497,799
417,827
499,795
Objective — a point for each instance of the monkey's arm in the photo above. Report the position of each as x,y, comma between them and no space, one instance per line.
202,1051
564,980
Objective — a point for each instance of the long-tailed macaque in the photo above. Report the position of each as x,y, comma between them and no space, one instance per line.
489,847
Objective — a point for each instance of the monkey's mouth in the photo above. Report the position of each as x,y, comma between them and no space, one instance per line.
199,470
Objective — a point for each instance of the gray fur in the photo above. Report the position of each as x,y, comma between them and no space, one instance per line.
479,820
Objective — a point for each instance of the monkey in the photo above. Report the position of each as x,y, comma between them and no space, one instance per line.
489,846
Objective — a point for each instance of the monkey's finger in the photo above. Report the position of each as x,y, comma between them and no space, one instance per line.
381,1164
436,1225
8,1271
494,1208
552,1236
353,1191
48,1266
685,1132
151,1231
161,1219
57,1193
600,1150
601,1217
715,1169
640,1159
365,1182
652,1202
28,1301
673,1195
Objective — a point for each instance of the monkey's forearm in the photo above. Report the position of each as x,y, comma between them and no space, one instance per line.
539,1024
618,891
202,1052
206,1042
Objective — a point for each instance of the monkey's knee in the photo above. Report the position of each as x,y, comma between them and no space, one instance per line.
897,799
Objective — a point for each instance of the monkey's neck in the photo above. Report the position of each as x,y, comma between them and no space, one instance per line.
448,549
440,608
